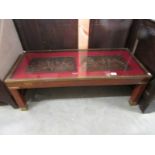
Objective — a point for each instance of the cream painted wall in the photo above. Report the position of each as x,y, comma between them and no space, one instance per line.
10,46
83,33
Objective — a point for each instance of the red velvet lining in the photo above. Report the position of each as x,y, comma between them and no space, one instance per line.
21,72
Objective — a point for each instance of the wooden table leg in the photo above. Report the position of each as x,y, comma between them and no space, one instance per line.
19,99
136,94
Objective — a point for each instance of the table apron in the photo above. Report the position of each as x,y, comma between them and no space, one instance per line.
69,83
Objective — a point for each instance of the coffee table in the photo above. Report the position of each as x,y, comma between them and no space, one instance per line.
44,69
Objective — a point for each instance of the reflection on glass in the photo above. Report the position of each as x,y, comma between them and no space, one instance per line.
77,64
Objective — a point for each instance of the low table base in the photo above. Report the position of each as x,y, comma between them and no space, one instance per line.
135,96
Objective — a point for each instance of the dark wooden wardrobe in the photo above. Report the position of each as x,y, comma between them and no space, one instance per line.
47,34
109,33
143,32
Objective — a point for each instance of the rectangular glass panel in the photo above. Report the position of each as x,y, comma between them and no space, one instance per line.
75,64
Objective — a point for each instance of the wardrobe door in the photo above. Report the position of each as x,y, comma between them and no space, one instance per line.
145,50
142,40
47,34
109,33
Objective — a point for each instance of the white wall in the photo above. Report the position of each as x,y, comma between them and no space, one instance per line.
10,46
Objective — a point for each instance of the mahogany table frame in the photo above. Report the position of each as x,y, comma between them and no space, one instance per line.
14,86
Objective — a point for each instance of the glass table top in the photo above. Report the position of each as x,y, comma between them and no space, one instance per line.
73,64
